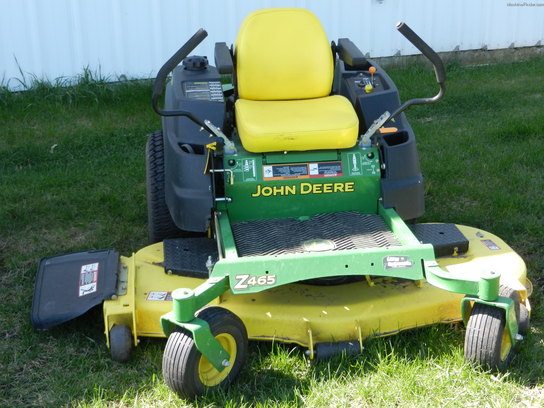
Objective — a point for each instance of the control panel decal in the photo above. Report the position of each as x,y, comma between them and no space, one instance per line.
204,91
363,163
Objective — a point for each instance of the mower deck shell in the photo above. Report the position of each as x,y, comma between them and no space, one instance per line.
309,314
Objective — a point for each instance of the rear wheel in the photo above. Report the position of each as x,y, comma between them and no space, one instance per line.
487,341
190,374
160,223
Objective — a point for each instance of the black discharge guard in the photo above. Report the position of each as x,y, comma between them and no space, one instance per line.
69,285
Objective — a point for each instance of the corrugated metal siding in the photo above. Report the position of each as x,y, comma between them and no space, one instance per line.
58,38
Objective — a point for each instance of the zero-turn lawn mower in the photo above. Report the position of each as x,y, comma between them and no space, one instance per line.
281,207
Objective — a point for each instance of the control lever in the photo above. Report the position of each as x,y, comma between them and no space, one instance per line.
440,79
378,123
169,66
372,71
437,65
229,148
160,80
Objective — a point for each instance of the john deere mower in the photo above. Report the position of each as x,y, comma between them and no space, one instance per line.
281,207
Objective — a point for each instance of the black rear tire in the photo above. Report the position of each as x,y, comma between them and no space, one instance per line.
184,368
160,223
487,341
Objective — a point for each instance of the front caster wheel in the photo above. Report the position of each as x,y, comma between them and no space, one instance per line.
524,321
487,341
187,372
121,343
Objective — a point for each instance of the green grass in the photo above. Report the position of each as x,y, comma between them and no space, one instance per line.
72,178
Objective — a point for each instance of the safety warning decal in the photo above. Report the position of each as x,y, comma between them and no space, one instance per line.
159,296
302,170
397,262
490,245
88,279
248,169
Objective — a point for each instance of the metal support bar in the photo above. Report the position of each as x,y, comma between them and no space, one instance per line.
484,285
359,335
225,235
310,340
188,301
229,171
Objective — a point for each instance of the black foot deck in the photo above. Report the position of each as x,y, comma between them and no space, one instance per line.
188,256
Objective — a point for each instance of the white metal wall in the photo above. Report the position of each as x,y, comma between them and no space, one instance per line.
58,38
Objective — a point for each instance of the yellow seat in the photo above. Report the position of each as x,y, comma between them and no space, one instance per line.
320,123
285,69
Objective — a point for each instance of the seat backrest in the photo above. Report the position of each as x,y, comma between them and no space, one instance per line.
283,54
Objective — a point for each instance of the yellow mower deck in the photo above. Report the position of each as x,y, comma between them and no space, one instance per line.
309,314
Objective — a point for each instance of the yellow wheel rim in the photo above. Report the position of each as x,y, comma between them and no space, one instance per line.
506,345
207,373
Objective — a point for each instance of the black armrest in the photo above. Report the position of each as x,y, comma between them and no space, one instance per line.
223,58
350,54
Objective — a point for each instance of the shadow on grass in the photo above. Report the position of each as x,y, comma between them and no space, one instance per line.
71,365
528,363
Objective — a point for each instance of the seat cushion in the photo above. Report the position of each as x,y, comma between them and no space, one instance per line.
309,124
283,53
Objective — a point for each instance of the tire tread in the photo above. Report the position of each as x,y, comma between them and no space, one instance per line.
484,335
161,226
